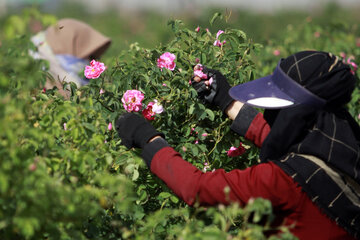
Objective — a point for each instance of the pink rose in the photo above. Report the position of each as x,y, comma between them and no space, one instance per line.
204,134
197,29
167,60
94,70
110,126
102,91
217,42
358,42
152,109
199,73
32,167
132,100
234,152
276,52
219,33
353,65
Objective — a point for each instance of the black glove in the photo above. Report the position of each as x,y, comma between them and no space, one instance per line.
217,92
134,130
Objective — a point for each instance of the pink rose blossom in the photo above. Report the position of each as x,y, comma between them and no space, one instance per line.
164,85
65,128
206,167
132,100
32,167
217,41
234,152
110,126
197,60
44,90
197,29
200,74
204,134
167,60
197,141
184,148
94,70
102,91
276,52
152,109
358,42
219,33
207,30
353,65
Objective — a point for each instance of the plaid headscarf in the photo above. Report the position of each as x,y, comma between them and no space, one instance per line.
320,148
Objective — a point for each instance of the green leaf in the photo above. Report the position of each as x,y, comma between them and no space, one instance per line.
210,114
216,16
164,195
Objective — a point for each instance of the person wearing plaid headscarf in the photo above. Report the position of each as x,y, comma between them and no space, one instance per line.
310,146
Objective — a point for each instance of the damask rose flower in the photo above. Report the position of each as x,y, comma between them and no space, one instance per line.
94,70
197,29
353,65
219,33
199,73
102,91
132,100
276,52
206,167
217,41
234,152
152,109
110,126
166,60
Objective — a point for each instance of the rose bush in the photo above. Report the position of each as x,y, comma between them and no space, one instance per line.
63,171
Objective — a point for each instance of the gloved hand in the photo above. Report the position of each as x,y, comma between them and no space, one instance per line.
134,130
212,89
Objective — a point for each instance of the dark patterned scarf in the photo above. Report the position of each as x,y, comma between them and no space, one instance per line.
320,148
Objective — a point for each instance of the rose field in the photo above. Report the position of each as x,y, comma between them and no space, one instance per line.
64,173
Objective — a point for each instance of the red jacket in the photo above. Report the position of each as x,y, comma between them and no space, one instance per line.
291,205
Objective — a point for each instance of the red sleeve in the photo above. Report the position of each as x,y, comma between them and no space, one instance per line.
251,124
264,180
258,130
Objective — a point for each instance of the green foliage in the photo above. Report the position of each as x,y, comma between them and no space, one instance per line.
79,182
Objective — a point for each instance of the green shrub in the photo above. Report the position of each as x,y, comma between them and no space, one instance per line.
79,182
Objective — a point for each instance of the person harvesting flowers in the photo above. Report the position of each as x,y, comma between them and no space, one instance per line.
310,146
